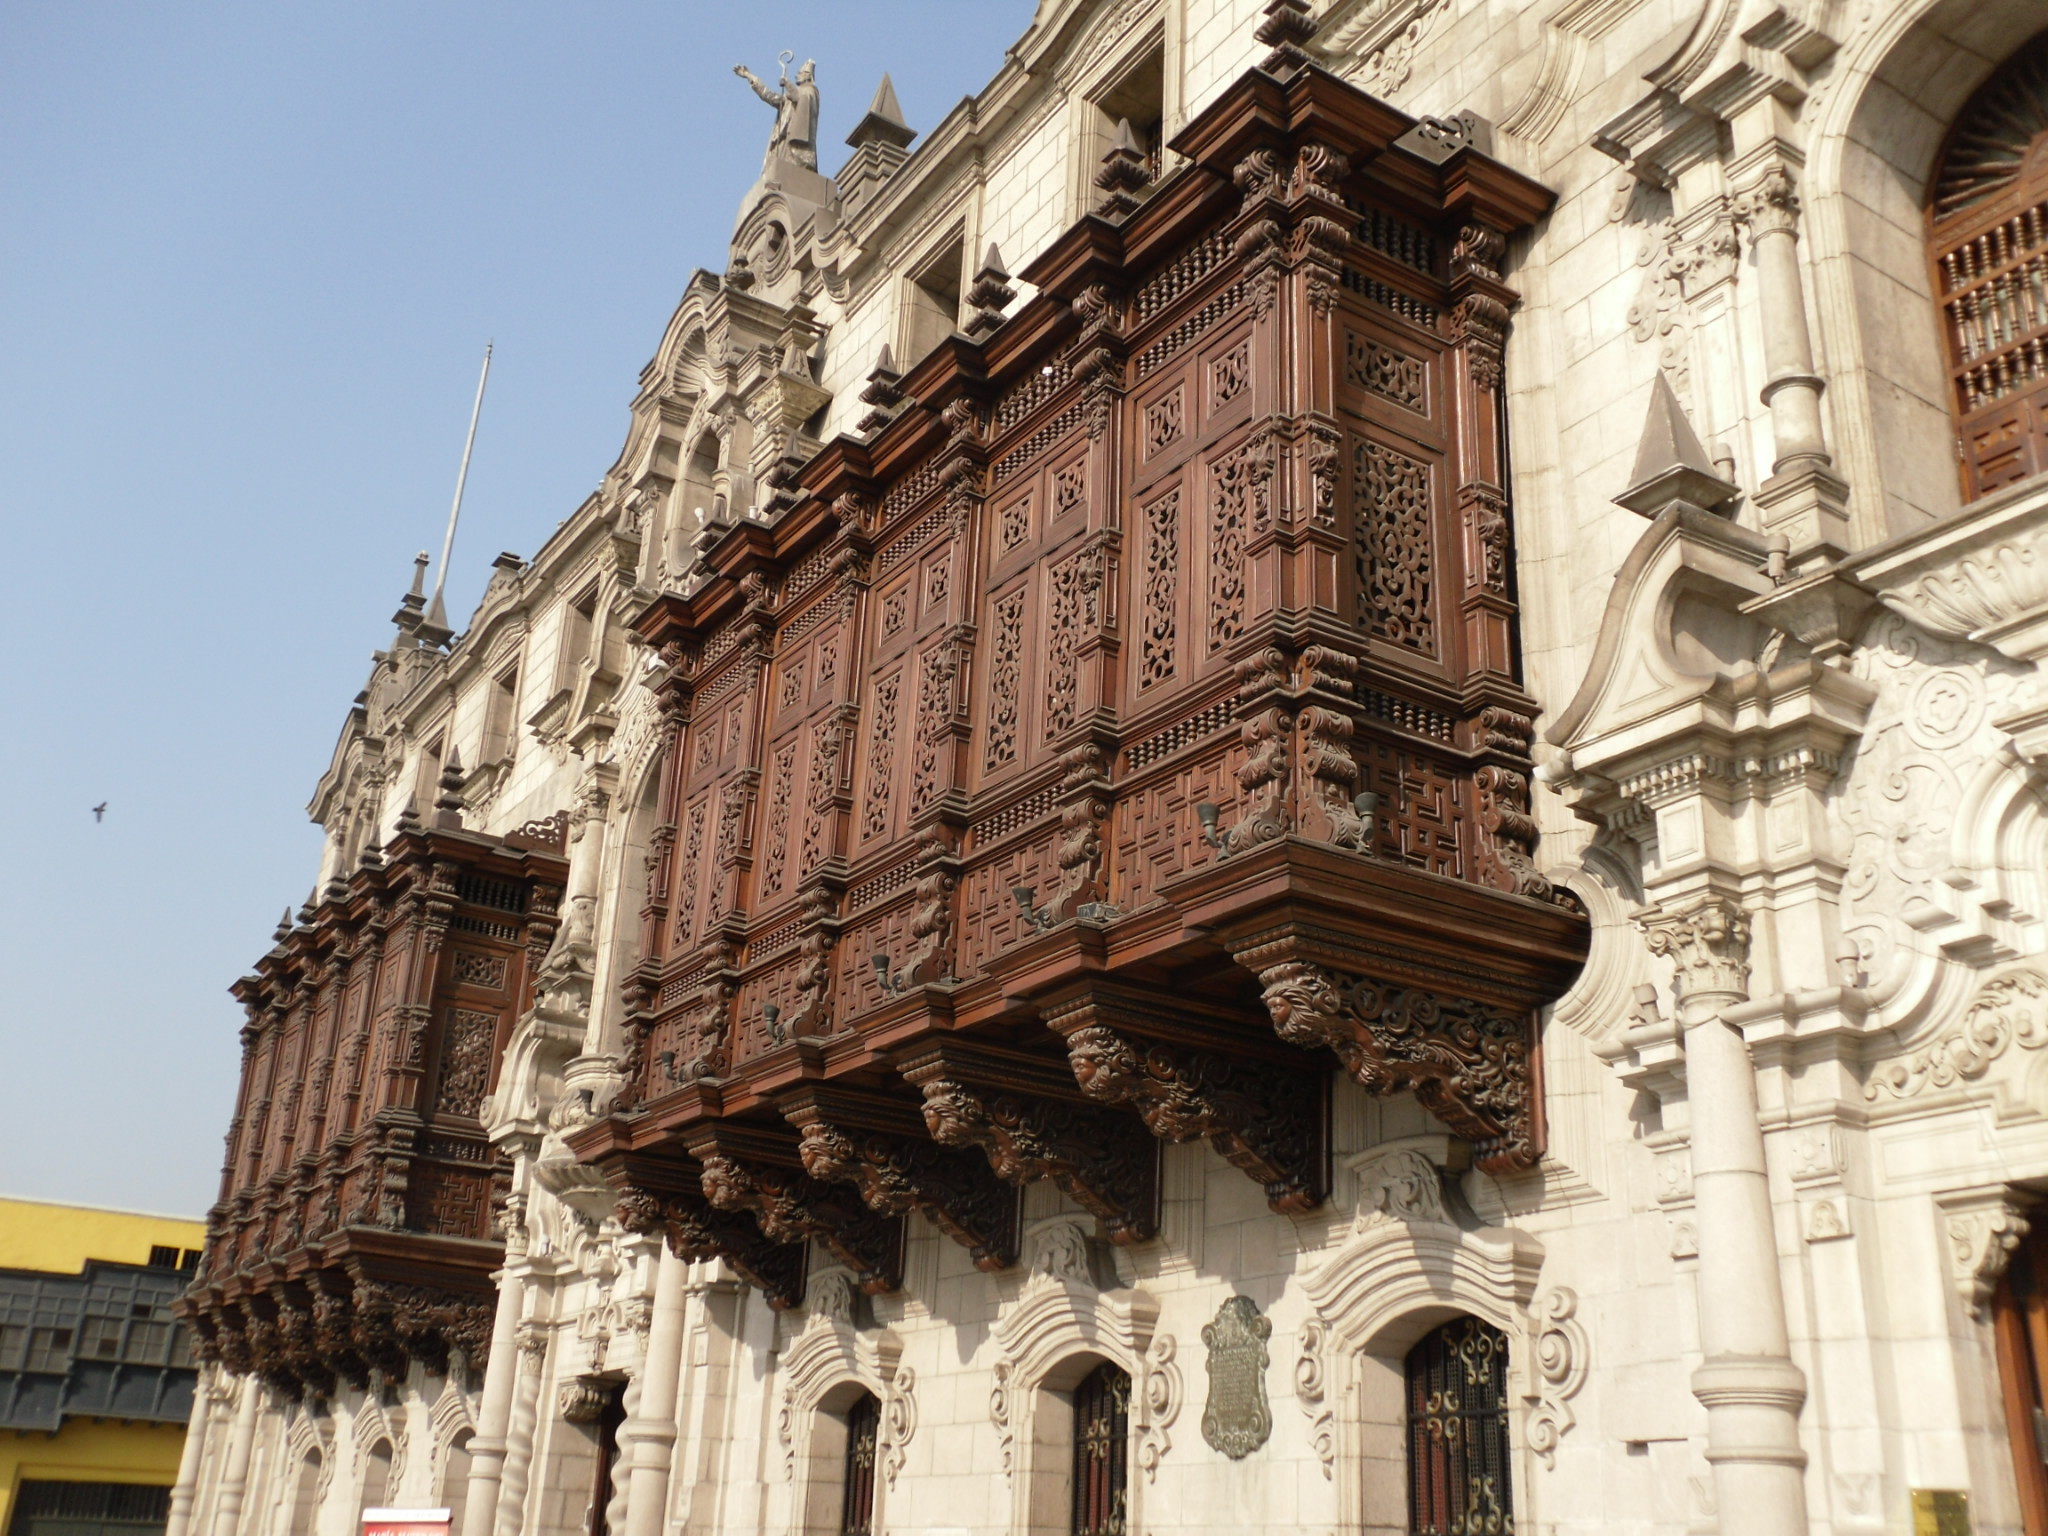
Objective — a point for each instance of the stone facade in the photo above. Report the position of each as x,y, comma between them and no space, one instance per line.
1792,749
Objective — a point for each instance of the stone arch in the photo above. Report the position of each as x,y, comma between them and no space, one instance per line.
1060,1326
1405,1270
378,1453
826,1369
1873,144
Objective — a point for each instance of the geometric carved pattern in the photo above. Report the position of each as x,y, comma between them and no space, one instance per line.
1396,560
1162,584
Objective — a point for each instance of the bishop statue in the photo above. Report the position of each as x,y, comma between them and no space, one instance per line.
796,115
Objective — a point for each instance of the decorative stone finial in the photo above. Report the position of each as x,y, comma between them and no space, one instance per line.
989,294
1124,173
284,927
881,393
409,818
884,122
412,608
1287,27
1672,464
448,805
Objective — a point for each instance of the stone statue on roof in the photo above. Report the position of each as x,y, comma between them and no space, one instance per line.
796,114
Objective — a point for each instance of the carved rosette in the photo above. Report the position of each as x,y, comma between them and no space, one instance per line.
1468,1063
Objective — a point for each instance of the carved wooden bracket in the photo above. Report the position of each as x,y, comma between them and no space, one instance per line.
1466,1061
696,1230
881,1147
1269,1118
1029,1118
747,1169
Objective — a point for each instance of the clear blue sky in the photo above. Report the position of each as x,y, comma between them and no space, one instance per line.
249,257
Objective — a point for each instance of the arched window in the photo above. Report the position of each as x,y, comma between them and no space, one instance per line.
1988,238
377,1476
455,1481
857,1500
1458,1432
1102,1432
305,1487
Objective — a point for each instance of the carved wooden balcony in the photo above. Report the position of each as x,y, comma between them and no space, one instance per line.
355,1227
1121,734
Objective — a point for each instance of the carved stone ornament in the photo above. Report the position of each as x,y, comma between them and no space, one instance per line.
1398,1184
1560,1360
899,1421
1311,1392
2009,1011
1984,1231
1237,1419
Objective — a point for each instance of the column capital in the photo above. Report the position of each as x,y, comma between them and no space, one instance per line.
1707,943
1770,205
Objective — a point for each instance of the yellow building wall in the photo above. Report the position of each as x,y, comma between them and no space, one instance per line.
60,1238
89,1451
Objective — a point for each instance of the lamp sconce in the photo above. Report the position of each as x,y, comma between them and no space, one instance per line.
778,1033
1035,916
668,1065
1367,803
1208,813
892,982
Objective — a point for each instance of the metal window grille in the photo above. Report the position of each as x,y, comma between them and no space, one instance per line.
1102,1432
1458,1433
863,1430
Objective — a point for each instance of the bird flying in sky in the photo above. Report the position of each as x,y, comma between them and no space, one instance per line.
99,812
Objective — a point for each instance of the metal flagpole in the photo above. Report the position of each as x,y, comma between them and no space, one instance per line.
461,479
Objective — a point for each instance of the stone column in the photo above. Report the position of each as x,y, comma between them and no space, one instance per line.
1792,389
650,1435
234,1479
1751,1389
510,1515
194,1454
494,1413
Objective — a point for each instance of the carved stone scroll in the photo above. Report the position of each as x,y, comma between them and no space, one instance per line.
1031,1121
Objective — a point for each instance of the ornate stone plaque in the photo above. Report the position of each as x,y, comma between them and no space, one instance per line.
1236,1419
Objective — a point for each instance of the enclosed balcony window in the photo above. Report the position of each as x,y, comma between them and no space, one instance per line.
1988,234
1102,1432
1458,1432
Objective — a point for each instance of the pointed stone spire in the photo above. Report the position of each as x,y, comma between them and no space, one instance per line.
884,122
409,818
989,294
448,806
1124,173
284,927
1672,464
412,608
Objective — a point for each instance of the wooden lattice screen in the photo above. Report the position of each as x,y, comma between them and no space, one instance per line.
1989,242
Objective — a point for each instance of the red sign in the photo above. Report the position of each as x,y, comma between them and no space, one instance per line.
406,1522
